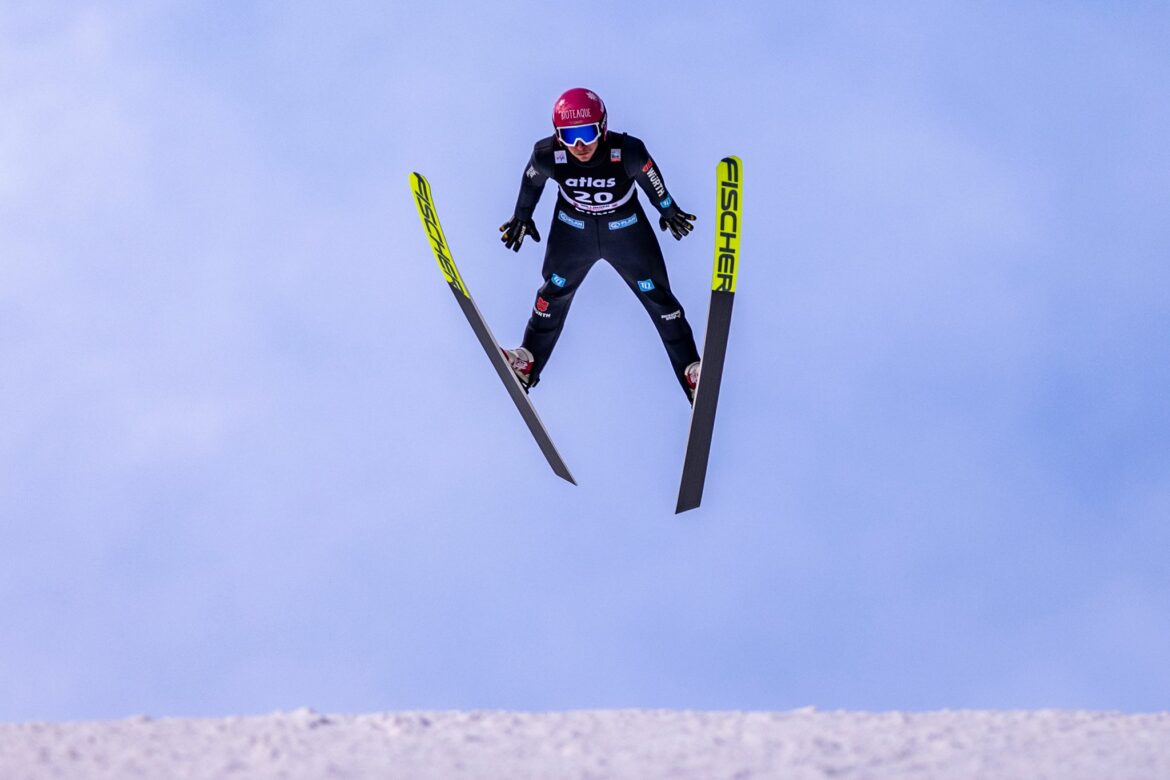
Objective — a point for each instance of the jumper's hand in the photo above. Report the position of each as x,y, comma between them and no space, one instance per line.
679,224
514,231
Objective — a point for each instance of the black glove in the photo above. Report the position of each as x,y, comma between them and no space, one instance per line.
514,231
679,223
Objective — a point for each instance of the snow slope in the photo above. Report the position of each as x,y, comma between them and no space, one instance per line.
642,744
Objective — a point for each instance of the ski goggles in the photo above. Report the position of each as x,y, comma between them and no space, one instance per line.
586,134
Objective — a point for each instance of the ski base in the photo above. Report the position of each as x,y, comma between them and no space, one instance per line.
430,219
702,428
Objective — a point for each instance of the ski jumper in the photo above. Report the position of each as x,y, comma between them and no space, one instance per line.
598,217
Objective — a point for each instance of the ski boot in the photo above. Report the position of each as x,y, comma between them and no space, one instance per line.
521,361
691,374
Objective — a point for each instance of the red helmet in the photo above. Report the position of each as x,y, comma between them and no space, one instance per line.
579,106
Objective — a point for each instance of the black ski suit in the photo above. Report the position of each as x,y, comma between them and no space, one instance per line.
598,217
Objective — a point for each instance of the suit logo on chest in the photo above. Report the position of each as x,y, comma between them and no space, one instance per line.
589,181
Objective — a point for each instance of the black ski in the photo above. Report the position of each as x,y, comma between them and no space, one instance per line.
727,230
430,219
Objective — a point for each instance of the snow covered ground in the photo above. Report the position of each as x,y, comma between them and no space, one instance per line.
642,744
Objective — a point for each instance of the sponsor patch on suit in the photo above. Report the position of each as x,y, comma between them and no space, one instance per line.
577,223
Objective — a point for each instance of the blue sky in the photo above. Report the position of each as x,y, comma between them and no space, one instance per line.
252,458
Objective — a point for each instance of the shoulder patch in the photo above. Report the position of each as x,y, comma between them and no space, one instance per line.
560,157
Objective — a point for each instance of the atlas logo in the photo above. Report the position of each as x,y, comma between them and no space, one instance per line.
727,237
589,181
645,285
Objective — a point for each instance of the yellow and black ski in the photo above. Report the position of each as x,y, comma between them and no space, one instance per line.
727,230
430,219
